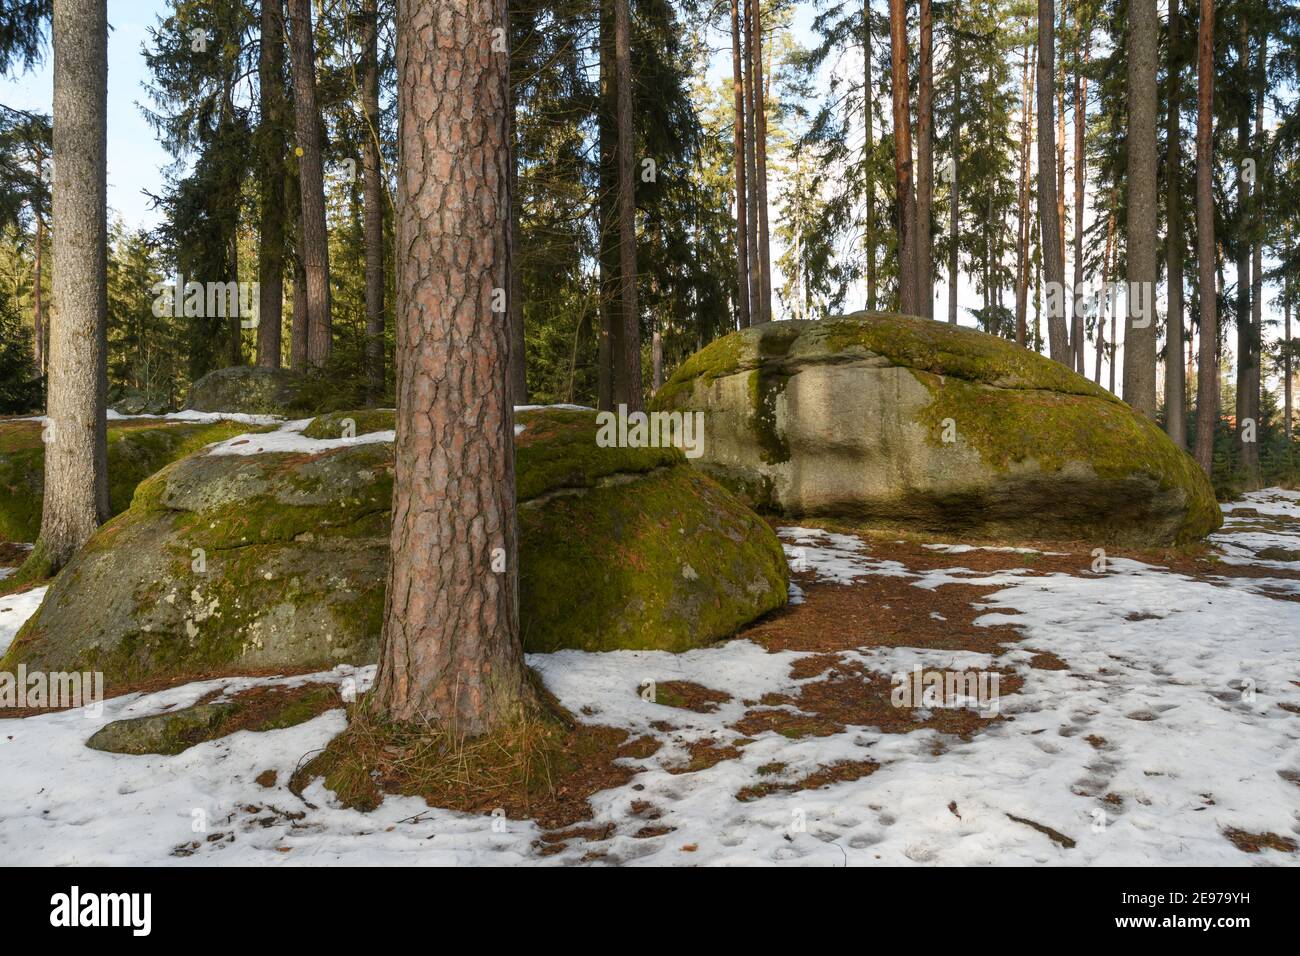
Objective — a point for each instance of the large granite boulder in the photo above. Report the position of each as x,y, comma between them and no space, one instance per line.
907,422
242,558
136,449
246,388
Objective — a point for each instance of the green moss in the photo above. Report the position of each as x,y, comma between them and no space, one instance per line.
364,421
135,451
672,565
1050,430
558,449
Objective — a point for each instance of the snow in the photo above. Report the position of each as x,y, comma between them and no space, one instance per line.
1170,702
289,438
15,609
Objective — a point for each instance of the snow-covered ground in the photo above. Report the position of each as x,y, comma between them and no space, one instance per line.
1175,719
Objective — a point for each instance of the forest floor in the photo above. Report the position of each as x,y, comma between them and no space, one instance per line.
1144,711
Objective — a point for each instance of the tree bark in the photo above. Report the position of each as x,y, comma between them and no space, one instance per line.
1022,225
742,193
904,198
76,436
270,249
1104,299
38,302
1077,335
627,381
1175,386
760,160
314,238
372,199
610,344
751,168
868,154
954,199
450,652
1143,212
1049,231
925,162
1207,411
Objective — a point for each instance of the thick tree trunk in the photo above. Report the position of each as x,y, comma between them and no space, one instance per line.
760,161
610,344
450,652
751,169
627,381
38,301
954,199
76,447
925,163
270,248
904,198
314,239
1049,231
1022,224
742,193
1247,418
1207,405
372,199
1254,479
1077,335
1175,386
1143,211
868,153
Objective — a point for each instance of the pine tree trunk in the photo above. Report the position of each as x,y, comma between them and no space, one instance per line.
954,201
1247,448
1254,479
925,163
751,168
760,162
1049,231
314,238
904,198
1286,350
1077,335
38,302
610,344
1022,225
76,447
270,248
1143,211
1175,386
450,652
628,389
742,222
1207,407
868,154
372,199
1104,299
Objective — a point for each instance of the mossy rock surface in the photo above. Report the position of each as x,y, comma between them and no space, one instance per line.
363,421
173,732
136,449
248,389
901,421
229,564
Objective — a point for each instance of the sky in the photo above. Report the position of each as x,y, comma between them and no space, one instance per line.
137,161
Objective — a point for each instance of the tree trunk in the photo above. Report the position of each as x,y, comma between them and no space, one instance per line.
1254,479
954,198
610,344
270,247
450,652
742,194
904,199
1207,411
925,162
314,239
1286,349
1104,300
38,303
1077,335
1143,211
751,168
76,445
627,380
1022,224
1049,231
1175,386
868,154
760,161
372,199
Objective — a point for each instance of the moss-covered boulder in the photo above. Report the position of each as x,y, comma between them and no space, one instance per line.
243,388
903,421
136,449
238,563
